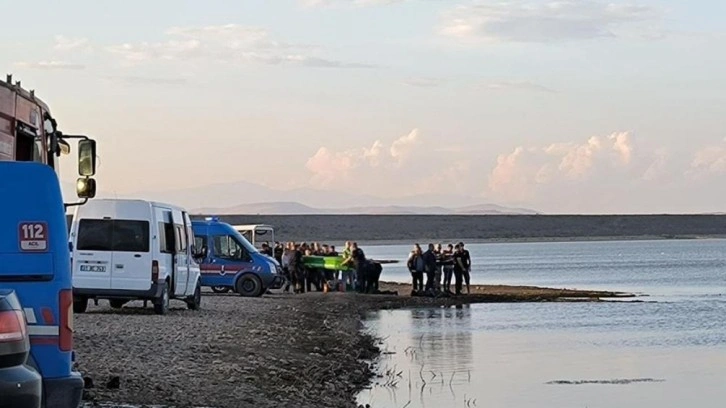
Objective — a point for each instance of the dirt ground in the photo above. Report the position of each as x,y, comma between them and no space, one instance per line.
275,351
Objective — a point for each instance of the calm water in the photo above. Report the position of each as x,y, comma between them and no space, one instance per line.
669,351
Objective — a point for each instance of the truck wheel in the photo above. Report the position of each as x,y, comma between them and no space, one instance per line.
161,305
80,304
220,289
249,286
117,303
195,301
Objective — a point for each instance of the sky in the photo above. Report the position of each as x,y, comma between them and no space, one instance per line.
564,106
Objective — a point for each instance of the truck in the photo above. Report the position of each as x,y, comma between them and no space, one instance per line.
35,260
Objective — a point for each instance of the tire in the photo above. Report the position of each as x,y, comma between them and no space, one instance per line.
220,289
195,301
80,305
161,305
117,303
249,286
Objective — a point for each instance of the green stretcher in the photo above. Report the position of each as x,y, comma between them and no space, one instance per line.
333,263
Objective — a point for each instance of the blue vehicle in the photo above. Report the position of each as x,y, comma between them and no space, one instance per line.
229,262
35,263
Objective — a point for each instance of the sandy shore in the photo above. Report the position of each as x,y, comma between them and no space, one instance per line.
276,351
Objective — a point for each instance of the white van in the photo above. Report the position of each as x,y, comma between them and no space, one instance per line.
125,250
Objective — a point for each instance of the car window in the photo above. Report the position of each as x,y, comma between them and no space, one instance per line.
113,235
225,246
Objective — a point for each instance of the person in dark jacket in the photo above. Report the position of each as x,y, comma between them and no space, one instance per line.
429,258
447,261
466,272
297,269
416,267
459,267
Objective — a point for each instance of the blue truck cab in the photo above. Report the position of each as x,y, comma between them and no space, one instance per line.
229,262
35,264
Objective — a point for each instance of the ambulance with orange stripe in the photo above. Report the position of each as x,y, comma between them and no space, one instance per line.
35,264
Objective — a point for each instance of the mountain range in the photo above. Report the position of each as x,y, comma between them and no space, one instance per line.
244,197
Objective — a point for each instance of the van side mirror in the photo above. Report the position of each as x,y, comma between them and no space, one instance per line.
86,157
86,187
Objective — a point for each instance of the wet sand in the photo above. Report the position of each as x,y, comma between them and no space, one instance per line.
275,351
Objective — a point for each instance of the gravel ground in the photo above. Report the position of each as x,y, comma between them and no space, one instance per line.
275,351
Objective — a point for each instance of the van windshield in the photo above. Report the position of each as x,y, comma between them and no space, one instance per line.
113,235
245,243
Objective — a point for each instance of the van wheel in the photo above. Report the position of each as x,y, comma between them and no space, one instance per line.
161,305
80,304
220,289
195,301
249,286
117,303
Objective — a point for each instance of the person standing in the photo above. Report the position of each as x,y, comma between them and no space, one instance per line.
416,267
438,251
358,258
447,262
459,267
297,269
429,258
467,266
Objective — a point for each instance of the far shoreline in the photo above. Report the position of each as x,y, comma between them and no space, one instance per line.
538,240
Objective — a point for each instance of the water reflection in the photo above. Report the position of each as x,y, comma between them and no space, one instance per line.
467,357
430,352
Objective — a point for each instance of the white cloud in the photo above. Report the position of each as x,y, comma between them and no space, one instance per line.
710,159
517,86
333,167
516,174
49,65
423,82
230,43
63,43
358,3
528,21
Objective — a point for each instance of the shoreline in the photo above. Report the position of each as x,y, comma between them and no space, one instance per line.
539,240
276,351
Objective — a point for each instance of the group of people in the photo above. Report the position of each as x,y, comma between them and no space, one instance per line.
436,262
360,274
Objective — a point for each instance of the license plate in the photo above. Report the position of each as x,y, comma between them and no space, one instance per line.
93,268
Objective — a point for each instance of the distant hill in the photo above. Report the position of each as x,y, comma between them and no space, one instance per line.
295,208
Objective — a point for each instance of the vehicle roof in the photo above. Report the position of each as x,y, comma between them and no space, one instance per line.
135,201
250,227
29,95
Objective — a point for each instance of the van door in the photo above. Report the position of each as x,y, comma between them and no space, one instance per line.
93,254
181,260
167,245
131,255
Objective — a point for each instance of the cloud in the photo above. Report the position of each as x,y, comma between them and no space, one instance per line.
357,3
138,80
230,43
63,43
512,85
49,65
332,167
711,159
516,174
423,82
553,21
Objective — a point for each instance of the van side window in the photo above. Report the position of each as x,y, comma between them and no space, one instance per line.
226,247
113,235
181,241
167,239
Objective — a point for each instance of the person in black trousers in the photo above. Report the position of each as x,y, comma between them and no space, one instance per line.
467,265
429,258
416,267
459,267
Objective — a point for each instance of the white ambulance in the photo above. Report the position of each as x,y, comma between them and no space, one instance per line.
125,249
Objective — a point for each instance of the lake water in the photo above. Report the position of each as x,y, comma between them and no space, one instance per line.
668,351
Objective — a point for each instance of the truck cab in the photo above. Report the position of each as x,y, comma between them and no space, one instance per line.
229,262
35,264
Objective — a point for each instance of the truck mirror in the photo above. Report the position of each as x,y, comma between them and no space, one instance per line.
86,187
87,157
